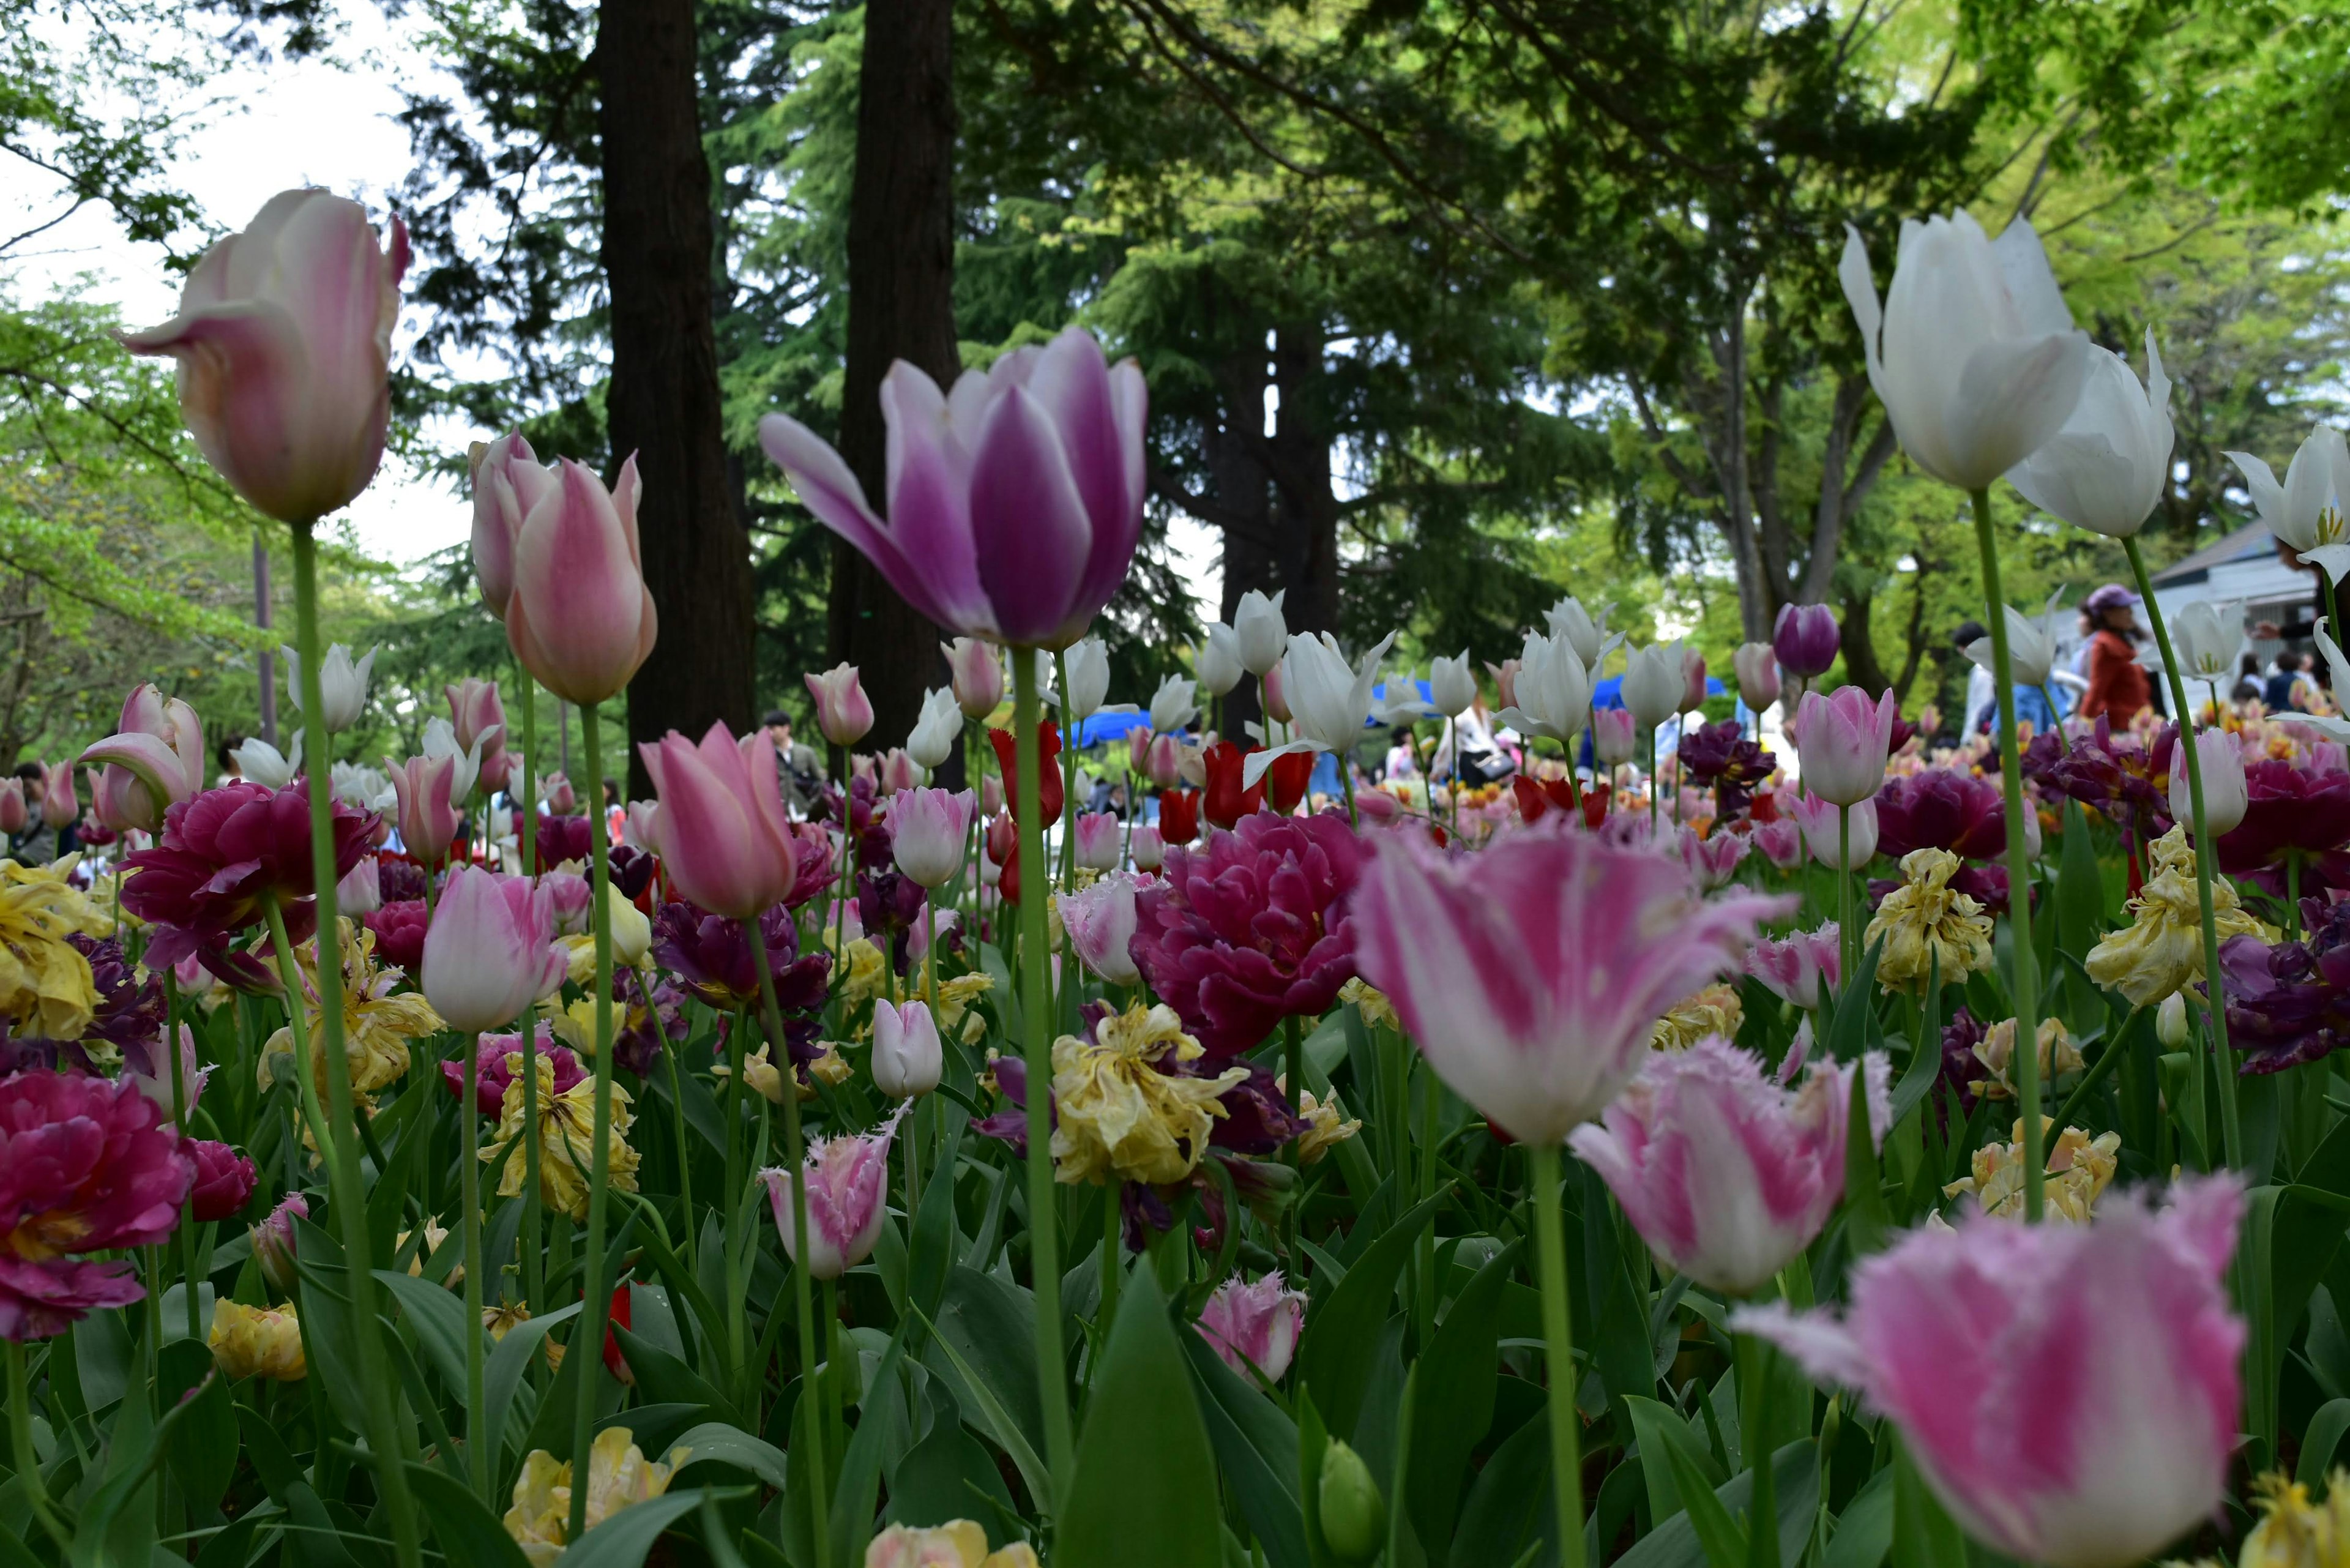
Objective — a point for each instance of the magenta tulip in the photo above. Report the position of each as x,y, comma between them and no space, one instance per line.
1843,740
1016,499
1254,1325
224,1180
153,761
928,830
580,618
489,954
724,838
843,712
283,344
1804,639
429,817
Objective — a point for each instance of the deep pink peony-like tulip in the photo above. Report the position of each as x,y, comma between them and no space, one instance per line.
399,928
490,951
725,840
1251,928
284,343
492,1073
2071,1392
223,854
1800,968
154,761
224,1179
1843,740
1725,1174
1530,975
1016,499
580,618
1257,1324
1942,808
41,1298
429,816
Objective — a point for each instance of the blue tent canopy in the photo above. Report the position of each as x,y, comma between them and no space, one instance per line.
1097,728
1609,693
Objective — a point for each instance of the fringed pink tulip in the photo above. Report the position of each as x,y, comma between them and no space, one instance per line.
843,712
1842,740
1712,861
1100,922
725,841
154,761
2071,1392
1724,1174
1800,967
1098,840
430,818
1531,975
1254,1325
580,618
489,954
1824,834
929,829
906,1058
1780,842
848,1184
272,1241
283,344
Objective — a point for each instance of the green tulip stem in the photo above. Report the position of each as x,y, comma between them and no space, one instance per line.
180,1120
1036,1017
1844,964
2026,1060
2206,871
340,1151
588,1347
479,1446
1653,781
27,1458
1558,1335
1065,762
526,693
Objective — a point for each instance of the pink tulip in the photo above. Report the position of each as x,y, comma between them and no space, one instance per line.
580,618
1800,967
1757,668
1843,739
1531,974
1016,499
1276,705
990,795
154,761
725,841
1714,860
927,829
843,711
1780,842
2071,1392
272,1241
1137,749
569,898
847,1179
1164,763
490,951
14,814
907,1059
283,341
640,830
1693,693
59,805
1098,840
1822,836
1725,1174
360,892
1614,735
1100,921
508,482
976,674
898,771
561,799
1505,681
429,817
1147,849
1254,1325
477,715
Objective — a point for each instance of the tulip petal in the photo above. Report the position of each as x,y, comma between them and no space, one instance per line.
2023,265
2014,395
147,758
1028,523
1257,762
826,486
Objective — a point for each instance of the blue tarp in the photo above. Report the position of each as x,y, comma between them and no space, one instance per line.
1097,728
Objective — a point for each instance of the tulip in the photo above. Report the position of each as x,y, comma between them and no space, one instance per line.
224,1180
1147,849
1217,660
478,725
1354,1513
1816,815
1015,501
489,954
1802,968
957,1543
272,1241
1329,701
465,761
1254,1326
146,1067
1572,626
1780,842
1100,922
154,761
1693,686
1097,841
1261,631
2225,797
429,814
1178,816
14,816
1050,785
1654,683
2306,512
926,828
1505,681
360,892
726,842
59,805
1843,740
1613,733
1711,862
896,772
937,730
2031,650
2206,637
843,711
907,1059
1804,639
507,482
1757,668
580,618
847,1180
1453,684
1724,1174
1087,661
257,1341
2106,469
974,674
1554,691
1173,709
561,799
1162,763
342,685
1973,352
283,340
2070,1393
262,763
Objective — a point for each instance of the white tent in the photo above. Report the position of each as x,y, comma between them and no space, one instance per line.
2245,569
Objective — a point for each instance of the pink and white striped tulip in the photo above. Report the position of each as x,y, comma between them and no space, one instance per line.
1824,834
1098,840
2070,1392
1726,1175
725,840
1802,967
847,1179
1100,923
899,771
59,805
1254,1325
843,712
479,717
1780,842
489,952
976,673
283,344
1531,975
429,816
580,618
153,761
929,830
1712,860
1613,734
907,1059
1842,740
1147,849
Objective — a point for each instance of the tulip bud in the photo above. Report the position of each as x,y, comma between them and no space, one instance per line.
1613,733
1087,662
1693,692
1757,668
991,795
897,772
272,1241
1276,704
1137,749
580,618
842,710
1002,837
2226,800
927,828
906,1058
975,675
1164,762
1173,709
508,481
1804,639
725,842
1354,1514
561,799
429,815
342,685
1654,683
937,730
2170,1021
1453,684
14,814
1217,661
1261,631
1148,849
1098,845
477,718
59,805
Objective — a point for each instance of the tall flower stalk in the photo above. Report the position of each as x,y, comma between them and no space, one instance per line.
598,1304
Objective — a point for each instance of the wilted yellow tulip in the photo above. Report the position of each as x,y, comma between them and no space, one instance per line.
258,1341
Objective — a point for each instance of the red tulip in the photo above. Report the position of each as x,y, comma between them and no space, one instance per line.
1226,802
1049,748
1178,816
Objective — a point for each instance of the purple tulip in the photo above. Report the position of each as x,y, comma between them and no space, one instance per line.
1943,808
1804,639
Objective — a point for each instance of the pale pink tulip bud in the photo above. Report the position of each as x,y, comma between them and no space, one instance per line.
1275,707
1614,735
1724,1174
1505,681
927,831
1693,693
580,618
154,761
1711,861
907,1059
59,805
561,799
14,814
991,795
1137,749
1757,668
283,344
477,715
2121,1331
842,710
1802,968
508,482
1098,845
1165,761
429,815
847,1180
489,952
1100,922
360,892
1147,849
898,771
725,841
1843,740
272,1241
1822,836
1254,1325
976,674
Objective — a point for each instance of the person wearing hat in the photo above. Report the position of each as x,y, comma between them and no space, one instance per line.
2118,688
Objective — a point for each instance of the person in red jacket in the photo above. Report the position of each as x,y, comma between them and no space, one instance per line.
2118,687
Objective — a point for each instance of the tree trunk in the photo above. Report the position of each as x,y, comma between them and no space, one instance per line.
900,307
1244,494
1307,522
662,402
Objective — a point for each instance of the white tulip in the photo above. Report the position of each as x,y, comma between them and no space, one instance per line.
2225,800
440,740
2338,667
1088,663
1973,352
1262,631
261,763
1172,707
1654,683
937,730
1453,682
360,788
2031,651
1585,633
2106,469
342,685
2206,636
2306,510
907,1057
1554,691
1218,661
1329,703
1398,703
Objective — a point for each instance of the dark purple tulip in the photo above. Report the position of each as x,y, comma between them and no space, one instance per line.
2290,1004
1805,640
1721,757
1941,808
2289,813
